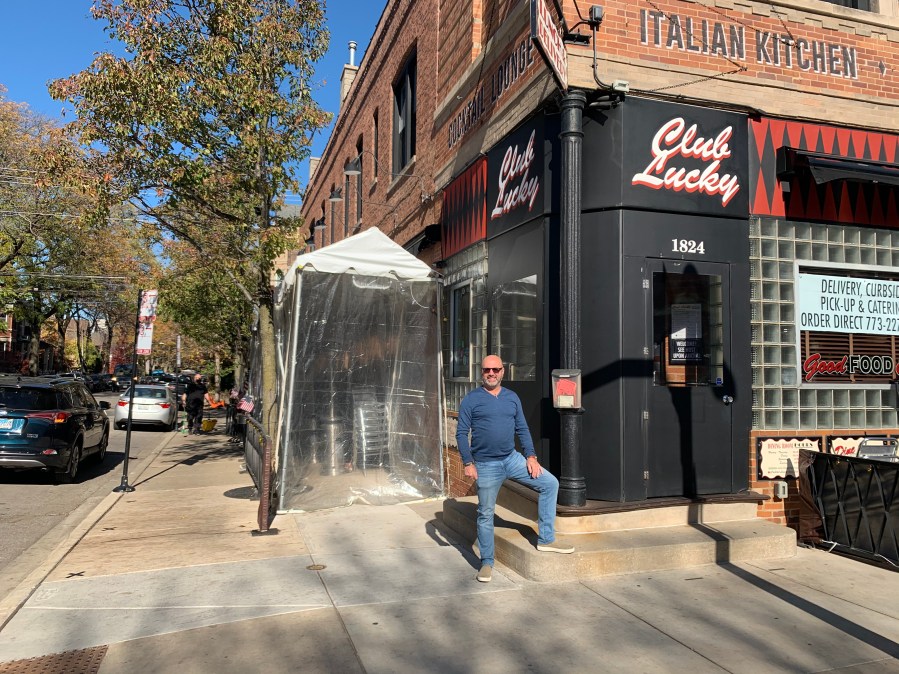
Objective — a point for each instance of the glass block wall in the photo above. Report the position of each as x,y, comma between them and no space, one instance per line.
778,401
468,265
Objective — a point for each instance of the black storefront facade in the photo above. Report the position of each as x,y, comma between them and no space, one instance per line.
665,313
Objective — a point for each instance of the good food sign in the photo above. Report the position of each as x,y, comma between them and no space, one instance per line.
843,305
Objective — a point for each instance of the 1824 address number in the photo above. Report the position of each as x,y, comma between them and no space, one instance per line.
688,246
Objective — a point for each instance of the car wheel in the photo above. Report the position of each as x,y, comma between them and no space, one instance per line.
101,448
71,471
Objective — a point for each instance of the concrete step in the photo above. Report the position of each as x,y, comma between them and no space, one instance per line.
626,551
523,504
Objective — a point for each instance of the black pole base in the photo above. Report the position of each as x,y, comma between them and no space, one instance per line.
124,487
267,532
572,491
572,485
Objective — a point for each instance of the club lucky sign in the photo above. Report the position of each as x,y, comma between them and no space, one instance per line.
675,140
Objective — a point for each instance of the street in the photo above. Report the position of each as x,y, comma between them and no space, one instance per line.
36,513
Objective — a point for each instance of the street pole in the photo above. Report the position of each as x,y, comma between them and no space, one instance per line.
572,485
178,356
124,486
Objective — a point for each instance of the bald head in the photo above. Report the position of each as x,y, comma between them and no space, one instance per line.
492,372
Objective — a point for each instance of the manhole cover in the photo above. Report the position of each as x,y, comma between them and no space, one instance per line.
316,567
248,493
85,661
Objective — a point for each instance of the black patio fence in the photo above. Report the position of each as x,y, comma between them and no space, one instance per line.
258,458
850,504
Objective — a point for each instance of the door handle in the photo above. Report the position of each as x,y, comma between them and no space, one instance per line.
727,400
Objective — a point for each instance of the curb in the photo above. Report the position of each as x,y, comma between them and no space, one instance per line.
12,602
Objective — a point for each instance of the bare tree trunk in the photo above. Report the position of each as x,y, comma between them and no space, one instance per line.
62,324
107,347
217,377
34,348
78,346
269,371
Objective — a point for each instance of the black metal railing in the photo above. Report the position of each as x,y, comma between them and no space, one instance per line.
851,504
258,458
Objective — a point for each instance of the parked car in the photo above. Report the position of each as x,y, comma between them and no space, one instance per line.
75,375
153,404
111,383
96,383
180,383
50,423
121,375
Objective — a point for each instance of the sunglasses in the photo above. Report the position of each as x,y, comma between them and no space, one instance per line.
485,370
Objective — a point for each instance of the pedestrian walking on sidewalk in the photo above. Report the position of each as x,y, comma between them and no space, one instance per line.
494,416
195,394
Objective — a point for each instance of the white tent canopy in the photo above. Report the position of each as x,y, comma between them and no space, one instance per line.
370,253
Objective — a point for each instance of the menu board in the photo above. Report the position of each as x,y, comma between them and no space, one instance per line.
779,457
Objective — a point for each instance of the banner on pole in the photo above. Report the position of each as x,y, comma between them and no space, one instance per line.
146,317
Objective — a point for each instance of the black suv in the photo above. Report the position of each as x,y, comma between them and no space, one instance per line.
50,423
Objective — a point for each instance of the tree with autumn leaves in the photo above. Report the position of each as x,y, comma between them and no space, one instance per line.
55,252
201,125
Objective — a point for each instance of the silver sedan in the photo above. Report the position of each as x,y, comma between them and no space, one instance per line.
152,405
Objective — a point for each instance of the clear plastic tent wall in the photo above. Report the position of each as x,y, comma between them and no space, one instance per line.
361,411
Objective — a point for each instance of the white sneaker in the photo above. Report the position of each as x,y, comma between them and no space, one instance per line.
555,546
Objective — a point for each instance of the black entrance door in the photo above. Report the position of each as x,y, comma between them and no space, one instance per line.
688,416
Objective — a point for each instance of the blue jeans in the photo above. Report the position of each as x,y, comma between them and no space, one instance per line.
491,475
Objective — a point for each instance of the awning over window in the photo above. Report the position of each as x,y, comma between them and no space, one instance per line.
825,168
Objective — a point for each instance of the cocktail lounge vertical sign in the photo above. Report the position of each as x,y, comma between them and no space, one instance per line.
549,41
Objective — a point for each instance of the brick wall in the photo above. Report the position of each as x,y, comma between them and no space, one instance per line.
636,43
456,482
401,206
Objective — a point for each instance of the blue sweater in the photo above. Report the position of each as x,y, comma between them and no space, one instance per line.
493,421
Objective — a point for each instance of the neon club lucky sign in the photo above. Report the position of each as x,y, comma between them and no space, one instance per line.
675,143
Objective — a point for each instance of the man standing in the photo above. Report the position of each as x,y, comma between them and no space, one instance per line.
494,416
194,397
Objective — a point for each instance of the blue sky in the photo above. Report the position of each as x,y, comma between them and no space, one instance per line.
41,41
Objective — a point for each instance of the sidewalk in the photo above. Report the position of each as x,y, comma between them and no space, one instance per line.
169,578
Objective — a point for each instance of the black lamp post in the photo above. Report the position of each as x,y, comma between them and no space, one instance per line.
572,485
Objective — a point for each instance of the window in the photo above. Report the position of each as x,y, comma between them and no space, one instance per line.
346,206
333,219
514,320
320,229
688,333
374,144
854,4
359,182
404,116
460,332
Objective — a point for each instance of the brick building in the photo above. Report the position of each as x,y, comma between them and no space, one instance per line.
708,191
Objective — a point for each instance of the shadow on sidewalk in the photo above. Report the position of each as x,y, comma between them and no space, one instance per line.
826,616
192,453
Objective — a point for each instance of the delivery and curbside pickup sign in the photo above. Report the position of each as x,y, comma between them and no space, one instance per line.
848,304
548,39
